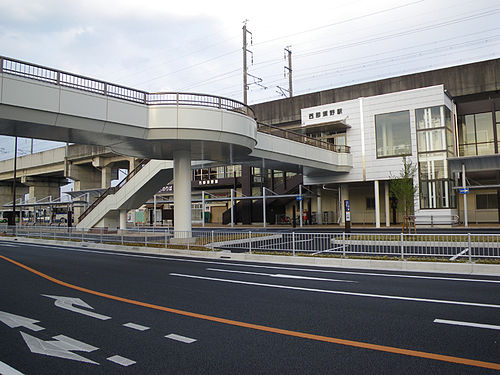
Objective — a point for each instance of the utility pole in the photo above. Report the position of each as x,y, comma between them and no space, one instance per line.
245,66
289,68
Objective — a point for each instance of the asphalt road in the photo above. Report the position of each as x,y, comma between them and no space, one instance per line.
168,315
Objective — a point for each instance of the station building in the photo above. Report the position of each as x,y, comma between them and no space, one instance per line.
445,121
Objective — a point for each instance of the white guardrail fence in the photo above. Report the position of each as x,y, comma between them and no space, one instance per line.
464,246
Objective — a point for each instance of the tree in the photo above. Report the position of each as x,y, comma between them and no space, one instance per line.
403,188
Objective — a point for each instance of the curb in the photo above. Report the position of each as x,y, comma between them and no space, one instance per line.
368,264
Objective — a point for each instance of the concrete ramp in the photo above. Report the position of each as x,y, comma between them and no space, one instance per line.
134,193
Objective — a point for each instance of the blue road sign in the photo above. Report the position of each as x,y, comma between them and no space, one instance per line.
464,190
300,197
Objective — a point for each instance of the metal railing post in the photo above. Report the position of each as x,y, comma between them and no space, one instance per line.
145,237
343,244
293,243
470,247
102,230
250,242
402,247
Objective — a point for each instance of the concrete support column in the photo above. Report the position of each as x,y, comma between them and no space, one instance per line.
182,194
387,204
344,195
377,204
105,177
123,219
319,217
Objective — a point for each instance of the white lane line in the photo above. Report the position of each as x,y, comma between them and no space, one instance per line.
5,369
137,327
280,275
413,299
9,245
466,324
184,339
267,267
121,360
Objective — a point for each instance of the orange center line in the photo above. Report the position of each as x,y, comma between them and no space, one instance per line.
309,336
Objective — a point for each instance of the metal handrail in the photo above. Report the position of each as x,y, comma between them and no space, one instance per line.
113,189
293,136
79,82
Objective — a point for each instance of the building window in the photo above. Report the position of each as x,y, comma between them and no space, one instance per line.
370,203
393,134
476,134
486,201
435,142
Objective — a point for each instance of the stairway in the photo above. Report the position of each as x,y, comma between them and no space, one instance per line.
131,193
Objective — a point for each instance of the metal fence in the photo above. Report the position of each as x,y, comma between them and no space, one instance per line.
401,246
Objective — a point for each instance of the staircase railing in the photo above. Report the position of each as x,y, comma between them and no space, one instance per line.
113,189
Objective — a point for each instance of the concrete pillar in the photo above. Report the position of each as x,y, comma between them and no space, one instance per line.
387,204
6,192
86,177
319,217
123,219
40,188
182,194
344,195
377,204
105,177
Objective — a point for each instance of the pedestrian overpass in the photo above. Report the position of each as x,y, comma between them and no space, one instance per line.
45,103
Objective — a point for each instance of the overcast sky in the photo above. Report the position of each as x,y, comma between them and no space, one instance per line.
196,46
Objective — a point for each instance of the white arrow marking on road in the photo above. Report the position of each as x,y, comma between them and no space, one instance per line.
281,275
5,369
61,347
14,321
467,324
68,302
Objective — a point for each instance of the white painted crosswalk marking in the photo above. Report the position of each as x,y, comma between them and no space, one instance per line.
121,360
184,339
137,327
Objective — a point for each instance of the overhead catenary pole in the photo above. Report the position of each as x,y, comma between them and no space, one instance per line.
289,68
245,68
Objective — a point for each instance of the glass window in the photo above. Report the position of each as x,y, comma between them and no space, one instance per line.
432,140
486,201
466,132
370,203
429,117
393,134
484,127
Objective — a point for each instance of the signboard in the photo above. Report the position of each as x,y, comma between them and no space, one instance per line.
464,190
299,198
347,204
